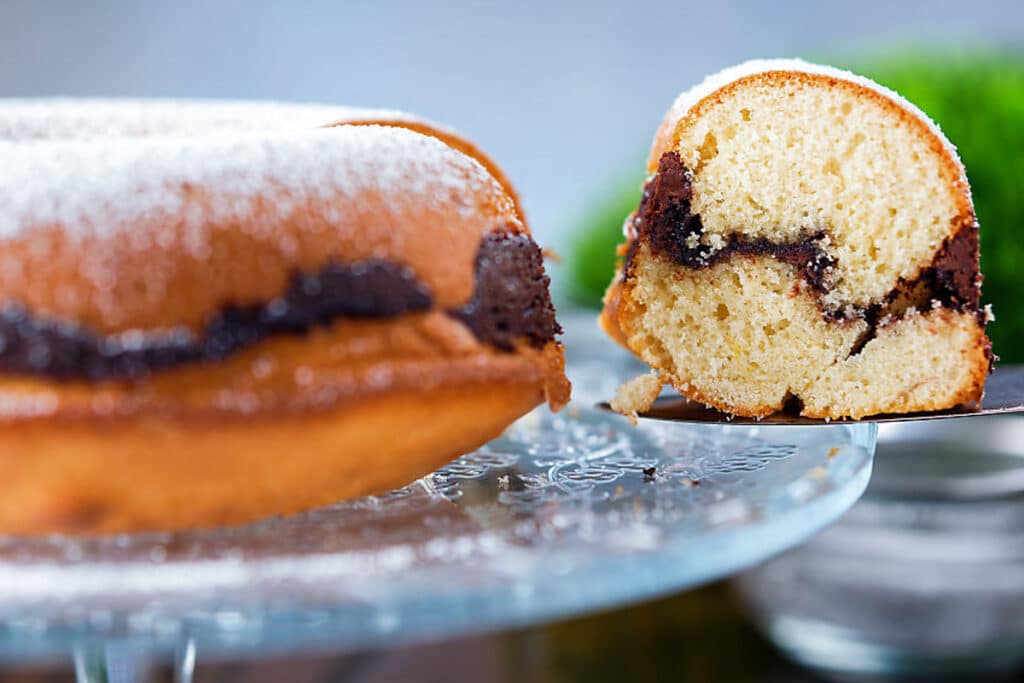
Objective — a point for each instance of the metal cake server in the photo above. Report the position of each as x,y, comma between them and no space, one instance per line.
1004,394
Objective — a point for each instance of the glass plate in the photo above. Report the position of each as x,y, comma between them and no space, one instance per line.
563,514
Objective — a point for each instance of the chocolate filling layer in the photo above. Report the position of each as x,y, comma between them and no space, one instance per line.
665,222
512,299
510,302
952,277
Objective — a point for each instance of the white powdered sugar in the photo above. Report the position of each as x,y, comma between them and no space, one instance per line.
89,119
123,168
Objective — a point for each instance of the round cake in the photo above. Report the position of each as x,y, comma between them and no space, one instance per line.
806,241
211,313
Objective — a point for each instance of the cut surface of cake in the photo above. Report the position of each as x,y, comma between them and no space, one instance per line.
806,240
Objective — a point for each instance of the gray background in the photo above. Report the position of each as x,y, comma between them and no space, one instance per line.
566,96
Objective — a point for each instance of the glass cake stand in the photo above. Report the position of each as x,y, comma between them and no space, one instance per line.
564,514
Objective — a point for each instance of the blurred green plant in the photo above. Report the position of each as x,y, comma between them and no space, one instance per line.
592,257
978,100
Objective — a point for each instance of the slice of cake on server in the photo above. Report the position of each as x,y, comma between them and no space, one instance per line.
806,239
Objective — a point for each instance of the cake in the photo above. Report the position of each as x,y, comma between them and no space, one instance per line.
806,242
213,313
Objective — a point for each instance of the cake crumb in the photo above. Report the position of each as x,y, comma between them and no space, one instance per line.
636,396
551,255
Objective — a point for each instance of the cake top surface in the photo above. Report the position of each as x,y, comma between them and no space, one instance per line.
94,165
714,82
121,185
59,118
42,120
121,214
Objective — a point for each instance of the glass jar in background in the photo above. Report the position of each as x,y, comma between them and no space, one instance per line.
925,575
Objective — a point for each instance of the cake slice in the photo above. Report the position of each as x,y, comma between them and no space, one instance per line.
806,239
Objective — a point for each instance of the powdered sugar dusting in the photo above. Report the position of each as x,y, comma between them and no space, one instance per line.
119,187
23,120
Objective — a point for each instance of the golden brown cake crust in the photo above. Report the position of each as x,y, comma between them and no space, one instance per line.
142,475
367,406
